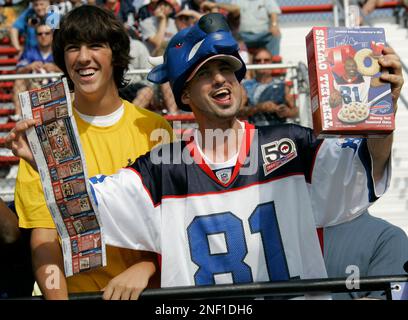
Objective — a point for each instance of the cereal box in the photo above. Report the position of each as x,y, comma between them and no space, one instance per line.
347,96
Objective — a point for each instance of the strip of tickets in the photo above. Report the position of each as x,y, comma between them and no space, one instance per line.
60,160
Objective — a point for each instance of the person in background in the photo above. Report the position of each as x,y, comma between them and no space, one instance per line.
148,9
259,24
226,8
26,23
186,18
124,11
229,10
366,246
158,29
139,91
37,59
9,11
269,100
156,32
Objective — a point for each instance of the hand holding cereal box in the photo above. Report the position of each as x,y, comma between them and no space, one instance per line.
347,96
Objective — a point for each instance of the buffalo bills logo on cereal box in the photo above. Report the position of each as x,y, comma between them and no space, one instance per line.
347,96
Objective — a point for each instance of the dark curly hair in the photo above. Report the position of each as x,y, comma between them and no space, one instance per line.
92,24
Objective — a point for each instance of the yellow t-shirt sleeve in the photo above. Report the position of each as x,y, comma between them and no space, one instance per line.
152,122
29,199
163,124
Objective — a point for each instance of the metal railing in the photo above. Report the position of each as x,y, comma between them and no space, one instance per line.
11,77
282,289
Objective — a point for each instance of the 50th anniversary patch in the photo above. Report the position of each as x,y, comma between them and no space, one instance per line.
277,153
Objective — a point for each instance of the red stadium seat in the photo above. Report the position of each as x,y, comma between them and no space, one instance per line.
8,62
7,126
6,112
6,85
9,51
5,96
7,161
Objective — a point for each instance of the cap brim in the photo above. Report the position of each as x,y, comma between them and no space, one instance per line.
158,74
188,13
234,62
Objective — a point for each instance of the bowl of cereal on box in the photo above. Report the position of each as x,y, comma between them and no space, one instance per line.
354,112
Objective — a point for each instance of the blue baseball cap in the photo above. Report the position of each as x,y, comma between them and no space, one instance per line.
210,38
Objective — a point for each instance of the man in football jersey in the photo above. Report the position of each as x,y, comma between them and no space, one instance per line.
256,220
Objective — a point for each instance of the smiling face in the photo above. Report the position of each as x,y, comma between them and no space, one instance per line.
350,67
89,66
214,92
105,39
40,7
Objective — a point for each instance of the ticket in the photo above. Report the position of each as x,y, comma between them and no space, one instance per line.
57,150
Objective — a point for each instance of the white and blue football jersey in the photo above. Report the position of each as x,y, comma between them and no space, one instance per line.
355,91
260,225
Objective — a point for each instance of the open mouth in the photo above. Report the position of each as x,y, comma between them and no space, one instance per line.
222,95
84,73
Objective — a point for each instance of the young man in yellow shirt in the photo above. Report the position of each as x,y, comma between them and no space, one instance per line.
92,49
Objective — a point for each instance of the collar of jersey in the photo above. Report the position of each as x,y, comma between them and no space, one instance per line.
242,155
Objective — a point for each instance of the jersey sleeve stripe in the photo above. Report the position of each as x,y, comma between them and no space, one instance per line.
93,194
310,175
365,158
320,233
144,186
